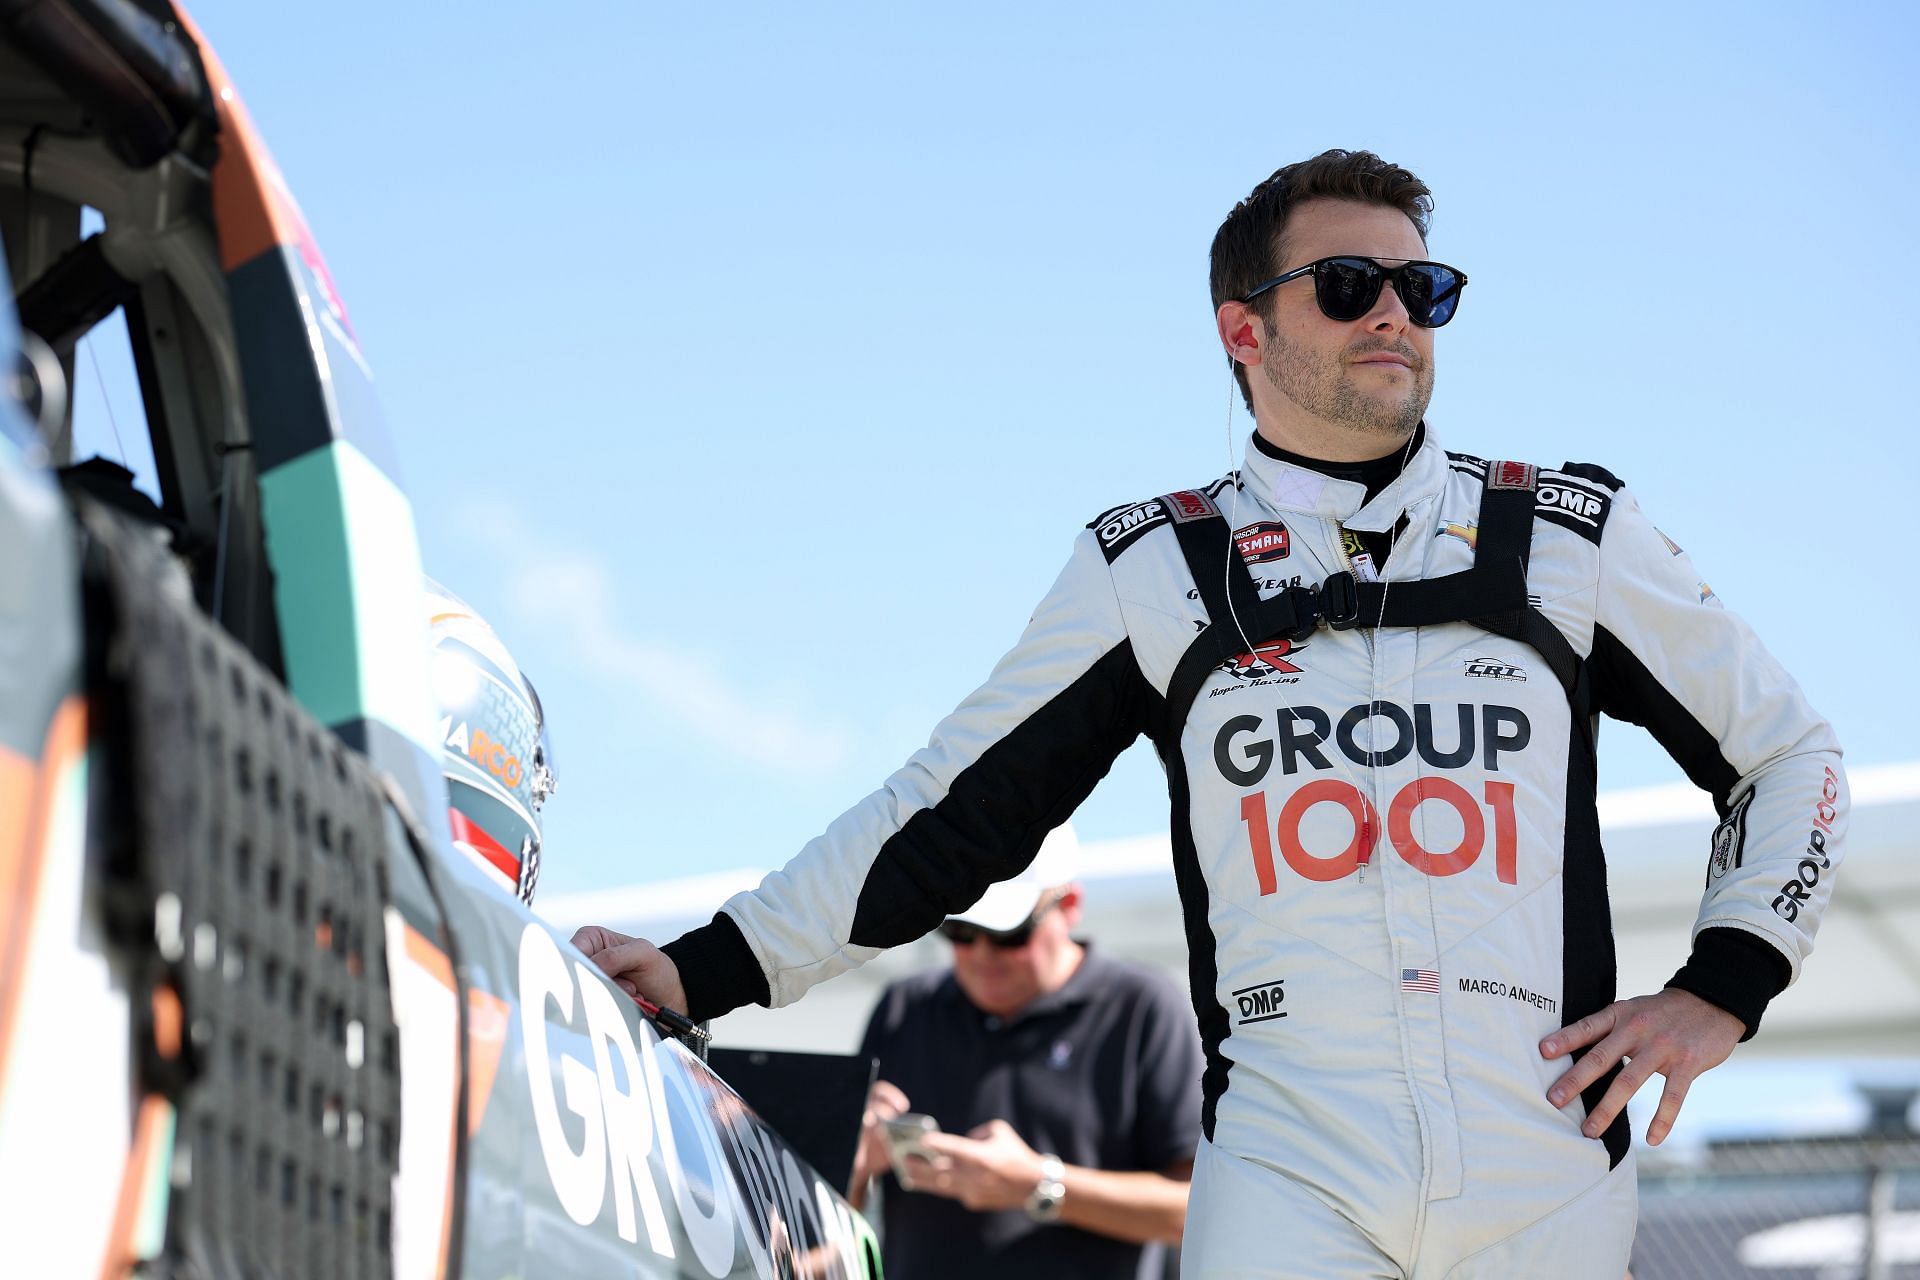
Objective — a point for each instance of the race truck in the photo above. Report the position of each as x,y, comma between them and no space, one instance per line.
259,1016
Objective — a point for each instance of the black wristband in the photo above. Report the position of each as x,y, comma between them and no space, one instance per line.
718,969
1735,970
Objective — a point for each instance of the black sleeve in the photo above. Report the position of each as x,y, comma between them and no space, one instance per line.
1736,971
717,969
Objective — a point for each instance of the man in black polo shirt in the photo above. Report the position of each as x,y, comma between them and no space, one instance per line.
1066,1086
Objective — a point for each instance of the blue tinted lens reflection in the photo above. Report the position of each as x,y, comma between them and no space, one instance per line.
1431,292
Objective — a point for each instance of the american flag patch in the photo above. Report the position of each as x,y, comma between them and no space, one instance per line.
1420,980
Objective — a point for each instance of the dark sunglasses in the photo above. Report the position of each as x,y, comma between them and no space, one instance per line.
1346,288
962,934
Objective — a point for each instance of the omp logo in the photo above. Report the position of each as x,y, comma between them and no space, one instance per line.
1259,543
616,1116
1577,503
1129,520
1261,1003
1494,669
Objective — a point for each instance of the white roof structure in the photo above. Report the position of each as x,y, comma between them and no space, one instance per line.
1859,996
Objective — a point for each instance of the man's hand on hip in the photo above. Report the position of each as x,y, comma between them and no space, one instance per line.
989,1169
1675,1033
636,966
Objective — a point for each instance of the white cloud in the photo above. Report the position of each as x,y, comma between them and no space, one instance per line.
684,685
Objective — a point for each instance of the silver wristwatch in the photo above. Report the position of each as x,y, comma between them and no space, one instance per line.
1044,1201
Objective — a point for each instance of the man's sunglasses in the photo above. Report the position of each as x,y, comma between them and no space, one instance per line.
962,934
1346,288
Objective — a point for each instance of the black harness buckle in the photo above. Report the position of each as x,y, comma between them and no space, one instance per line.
1305,605
1340,601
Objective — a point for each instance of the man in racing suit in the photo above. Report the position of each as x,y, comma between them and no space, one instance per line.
1373,670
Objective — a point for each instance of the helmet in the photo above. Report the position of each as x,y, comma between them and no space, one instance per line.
493,737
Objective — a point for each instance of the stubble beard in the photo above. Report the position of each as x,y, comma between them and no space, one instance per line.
1331,393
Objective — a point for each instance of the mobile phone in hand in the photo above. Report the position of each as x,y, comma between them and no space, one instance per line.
903,1139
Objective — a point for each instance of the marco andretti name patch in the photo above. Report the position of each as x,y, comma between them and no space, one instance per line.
1509,991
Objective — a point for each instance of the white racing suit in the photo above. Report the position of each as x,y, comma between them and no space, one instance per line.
1384,836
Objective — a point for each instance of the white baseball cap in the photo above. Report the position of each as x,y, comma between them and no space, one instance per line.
1007,905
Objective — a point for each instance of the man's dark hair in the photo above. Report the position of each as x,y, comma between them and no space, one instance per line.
1251,243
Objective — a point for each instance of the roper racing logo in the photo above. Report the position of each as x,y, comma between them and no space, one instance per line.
1826,812
619,1117
1265,660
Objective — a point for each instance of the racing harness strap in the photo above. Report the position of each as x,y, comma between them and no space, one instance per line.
1492,595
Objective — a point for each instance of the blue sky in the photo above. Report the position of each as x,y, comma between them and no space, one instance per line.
753,366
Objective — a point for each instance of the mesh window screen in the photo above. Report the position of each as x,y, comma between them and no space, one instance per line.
248,880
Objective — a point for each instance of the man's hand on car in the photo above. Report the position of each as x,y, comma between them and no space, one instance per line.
636,966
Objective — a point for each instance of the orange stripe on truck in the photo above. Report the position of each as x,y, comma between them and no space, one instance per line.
253,208
134,1179
28,792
